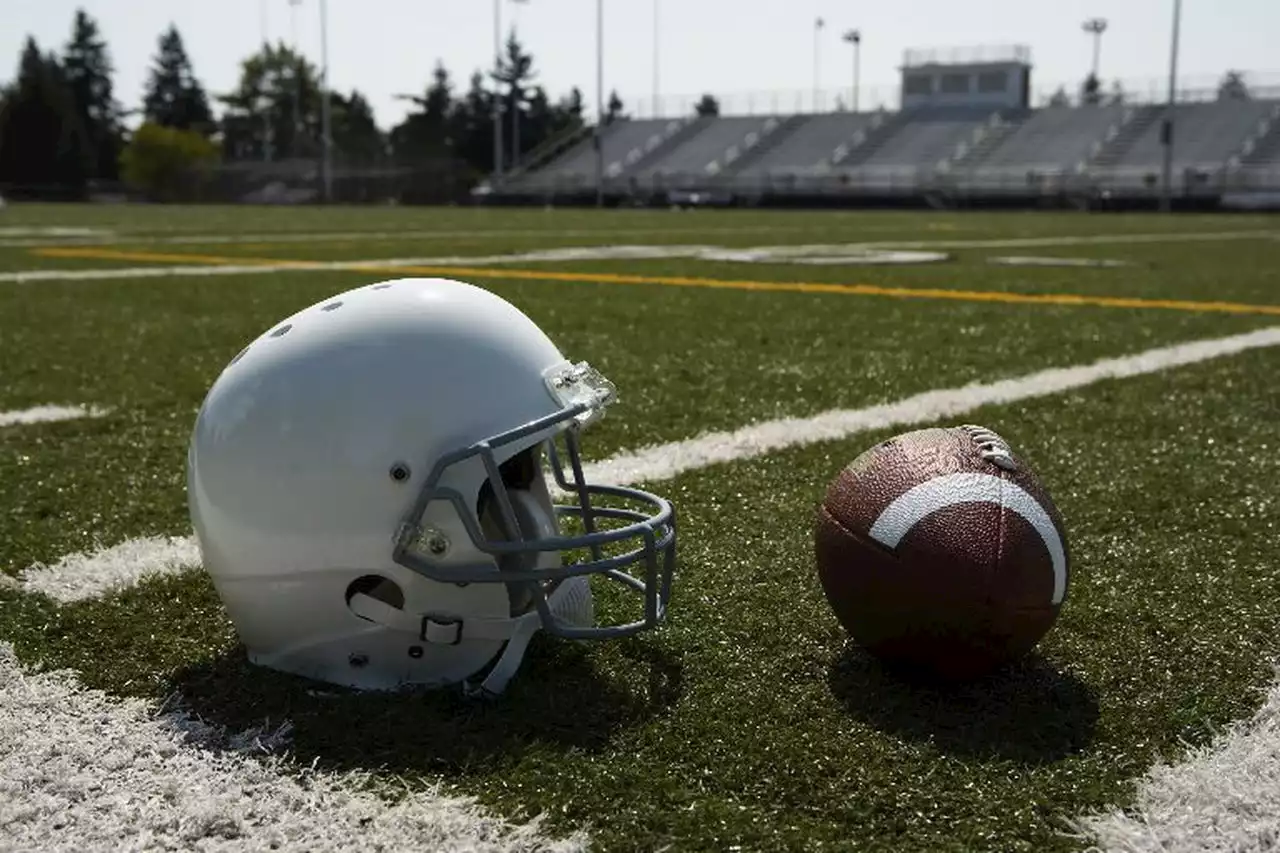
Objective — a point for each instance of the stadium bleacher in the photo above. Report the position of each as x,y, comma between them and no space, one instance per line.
963,132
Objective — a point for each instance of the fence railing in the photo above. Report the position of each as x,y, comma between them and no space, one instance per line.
832,97
1199,180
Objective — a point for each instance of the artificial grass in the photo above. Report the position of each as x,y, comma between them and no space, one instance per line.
749,721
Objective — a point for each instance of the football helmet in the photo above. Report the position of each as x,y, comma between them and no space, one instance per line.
367,482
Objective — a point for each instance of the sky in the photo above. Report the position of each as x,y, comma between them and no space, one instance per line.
755,55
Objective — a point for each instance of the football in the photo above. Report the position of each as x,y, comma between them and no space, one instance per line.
941,553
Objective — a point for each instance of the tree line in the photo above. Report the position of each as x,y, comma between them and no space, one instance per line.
63,130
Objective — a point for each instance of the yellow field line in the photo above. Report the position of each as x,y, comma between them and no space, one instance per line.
678,281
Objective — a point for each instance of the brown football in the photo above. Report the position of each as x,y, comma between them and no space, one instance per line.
941,553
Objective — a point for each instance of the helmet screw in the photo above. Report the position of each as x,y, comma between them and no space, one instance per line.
400,472
437,543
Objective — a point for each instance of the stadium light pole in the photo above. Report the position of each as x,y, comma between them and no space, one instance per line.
297,82
326,144
818,24
497,101
655,58
599,142
1166,131
854,37
515,105
1095,27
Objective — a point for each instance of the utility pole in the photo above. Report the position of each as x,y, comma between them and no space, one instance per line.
818,24
1095,27
326,160
515,105
1166,132
655,59
854,37
599,141
497,97
297,76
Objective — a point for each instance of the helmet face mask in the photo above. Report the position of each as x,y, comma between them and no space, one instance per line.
407,534
646,539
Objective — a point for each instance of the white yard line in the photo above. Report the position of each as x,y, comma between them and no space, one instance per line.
95,573
777,254
84,771
1224,796
665,461
48,414
58,741
90,574
421,234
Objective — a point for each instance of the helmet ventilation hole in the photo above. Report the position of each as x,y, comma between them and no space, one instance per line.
375,586
332,306
282,331
381,286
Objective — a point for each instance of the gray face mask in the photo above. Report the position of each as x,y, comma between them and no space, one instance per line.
626,534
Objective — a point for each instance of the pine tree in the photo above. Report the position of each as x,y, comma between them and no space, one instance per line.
613,110
87,68
427,132
354,130
43,147
174,97
472,126
514,73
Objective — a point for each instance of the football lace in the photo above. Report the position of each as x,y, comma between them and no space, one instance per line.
991,447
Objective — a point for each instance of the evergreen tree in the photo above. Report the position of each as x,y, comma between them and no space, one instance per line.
1233,87
427,131
472,126
514,73
174,97
86,66
707,106
43,146
613,110
354,130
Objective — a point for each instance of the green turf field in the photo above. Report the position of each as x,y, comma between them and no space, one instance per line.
747,722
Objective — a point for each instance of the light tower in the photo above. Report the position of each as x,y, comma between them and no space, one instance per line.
1095,27
854,37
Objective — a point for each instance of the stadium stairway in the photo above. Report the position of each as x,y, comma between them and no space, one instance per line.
872,141
974,154
767,143
661,151
548,151
1264,150
1115,148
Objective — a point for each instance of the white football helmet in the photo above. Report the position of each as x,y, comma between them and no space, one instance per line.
366,481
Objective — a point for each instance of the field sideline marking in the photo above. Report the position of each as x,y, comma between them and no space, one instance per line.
85,575
1067,299
298,237
60,723
83,770
49,414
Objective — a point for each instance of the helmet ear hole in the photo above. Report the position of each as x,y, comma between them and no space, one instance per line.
375,586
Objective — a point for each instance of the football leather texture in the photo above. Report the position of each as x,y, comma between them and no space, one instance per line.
941,553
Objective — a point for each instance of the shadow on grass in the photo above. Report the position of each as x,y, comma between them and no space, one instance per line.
1029,712
560,700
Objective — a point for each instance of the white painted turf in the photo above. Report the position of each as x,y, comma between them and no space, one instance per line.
48,414
82,771
177,784
839,253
